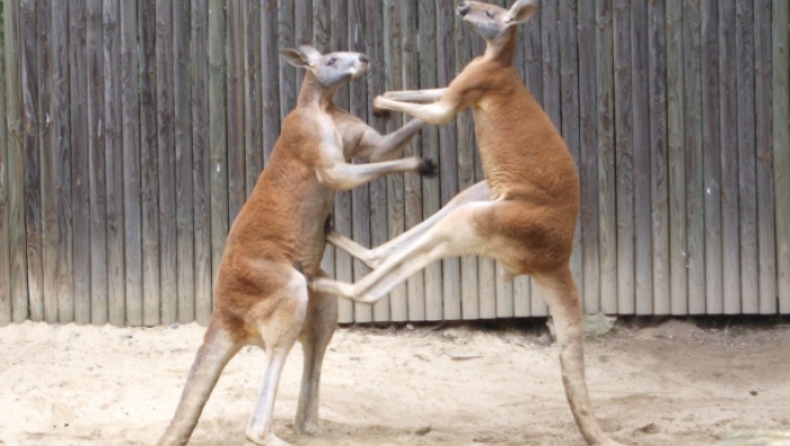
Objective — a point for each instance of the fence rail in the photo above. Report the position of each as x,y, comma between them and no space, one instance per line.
131,133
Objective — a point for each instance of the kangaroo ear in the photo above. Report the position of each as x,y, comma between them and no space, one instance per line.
294,57
309,54
521,11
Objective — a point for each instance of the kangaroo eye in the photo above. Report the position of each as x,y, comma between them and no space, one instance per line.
331,61
489,14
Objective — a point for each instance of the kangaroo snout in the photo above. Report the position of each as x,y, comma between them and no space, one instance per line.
463,9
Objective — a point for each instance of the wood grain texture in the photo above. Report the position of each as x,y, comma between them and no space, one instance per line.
711,150
343,265
590,286
30,140
694,170
201,175
780,85
218,143
431,194
182,118
148,162
237,184
97,168
360,196
253,113
607,210
415,285
569,103
5,265
303,30
728,105
132,210
285,39
47,153
747,169
80,191
392,64
624,158
766,233
448,152
659,161
643,256
113,130
270,74
675,65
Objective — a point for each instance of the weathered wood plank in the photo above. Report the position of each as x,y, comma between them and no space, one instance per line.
659,176
148,162
285,39
588,159
676,142
360,196
780,86
47,153
5,266
166,166
624,158
448,152
97,164
431,195
253,113
80,198
711,137
766,240
182,115
747,169
343,265
607,189
30,107
218,146
412,183
377,220
392,64
640,98
237,187
270,75
569,91
303,31
113,129
202,162
470,305
728,105
132,210
695,173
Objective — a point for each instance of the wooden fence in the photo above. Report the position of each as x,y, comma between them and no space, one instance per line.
132,132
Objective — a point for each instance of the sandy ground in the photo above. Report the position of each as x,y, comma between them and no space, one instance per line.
675,383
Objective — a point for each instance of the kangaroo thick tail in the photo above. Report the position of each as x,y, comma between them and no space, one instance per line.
217,349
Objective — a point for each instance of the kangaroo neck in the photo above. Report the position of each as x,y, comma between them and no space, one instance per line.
503,49
314,94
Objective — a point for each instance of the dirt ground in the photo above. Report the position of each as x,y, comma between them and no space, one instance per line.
670,383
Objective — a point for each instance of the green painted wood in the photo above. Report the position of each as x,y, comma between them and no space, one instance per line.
607,210
80,197
182,119
780,85
113,144
675,64
766,233
200,159
624,158
694,256
711,149
132,210
728,105
658,28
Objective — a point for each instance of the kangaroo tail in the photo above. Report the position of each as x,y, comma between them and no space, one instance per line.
217,349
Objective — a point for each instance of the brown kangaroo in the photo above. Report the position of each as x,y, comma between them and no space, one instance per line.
261,295
523,215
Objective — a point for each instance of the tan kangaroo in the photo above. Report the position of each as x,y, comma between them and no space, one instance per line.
523,215
261,294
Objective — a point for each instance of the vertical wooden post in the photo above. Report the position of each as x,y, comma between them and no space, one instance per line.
253,112
235,85
218,146
5,266
781,150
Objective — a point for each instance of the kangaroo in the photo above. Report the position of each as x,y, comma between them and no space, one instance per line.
261,294
524,215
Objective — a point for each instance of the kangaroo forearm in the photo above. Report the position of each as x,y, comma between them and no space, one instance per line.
427,95
396,141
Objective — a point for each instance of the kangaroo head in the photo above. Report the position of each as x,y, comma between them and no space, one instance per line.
492,21
330,70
